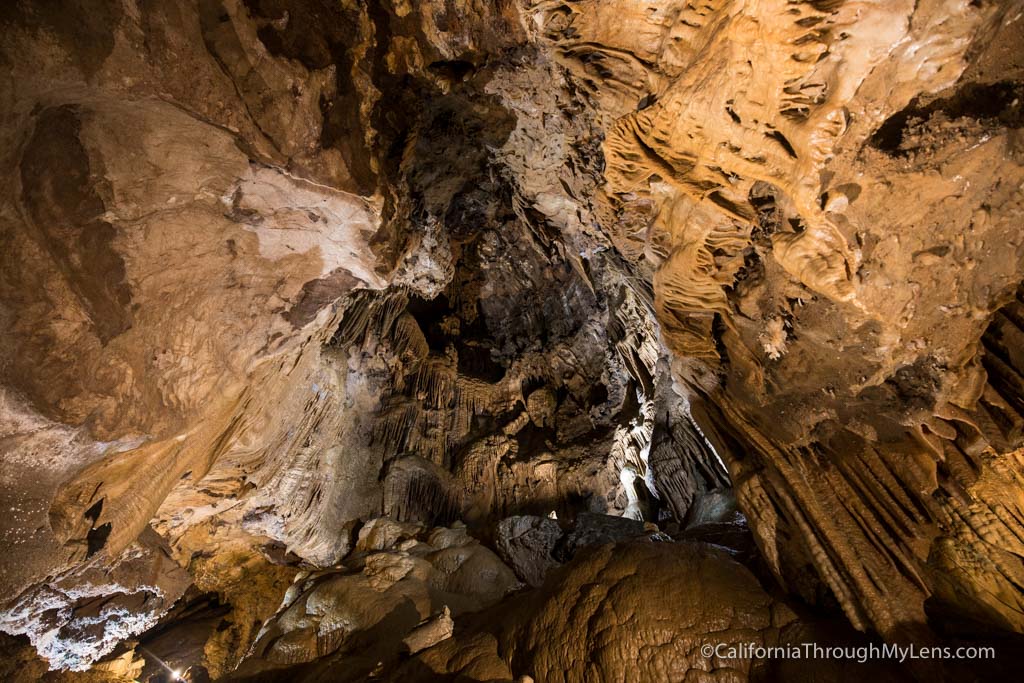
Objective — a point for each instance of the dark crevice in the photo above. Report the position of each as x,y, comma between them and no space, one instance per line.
992,103
97,538
783,142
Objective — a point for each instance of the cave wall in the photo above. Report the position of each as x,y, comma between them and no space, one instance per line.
153,266
271,269
832,195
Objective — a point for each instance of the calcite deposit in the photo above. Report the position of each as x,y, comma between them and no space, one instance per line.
512,340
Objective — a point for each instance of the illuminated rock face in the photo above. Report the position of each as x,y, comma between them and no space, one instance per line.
272,269
833,193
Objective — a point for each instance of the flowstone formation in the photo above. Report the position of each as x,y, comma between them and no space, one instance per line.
335,331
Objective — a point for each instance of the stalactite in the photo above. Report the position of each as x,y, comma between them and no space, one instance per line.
416,490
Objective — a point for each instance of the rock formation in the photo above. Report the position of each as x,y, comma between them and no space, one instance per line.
335,329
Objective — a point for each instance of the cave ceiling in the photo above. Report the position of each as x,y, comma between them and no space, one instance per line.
530,319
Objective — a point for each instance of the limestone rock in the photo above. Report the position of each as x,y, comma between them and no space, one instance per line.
607,616
619,613
384,534
527,544
84,614
715,506
593,530
431,632
388,600
275,271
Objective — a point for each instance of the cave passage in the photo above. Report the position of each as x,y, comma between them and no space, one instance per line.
511,340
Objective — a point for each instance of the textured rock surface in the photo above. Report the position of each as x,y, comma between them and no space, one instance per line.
533,546
431,632
835,218
286,285
94,608
527,544
603,618
399,595
617,615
